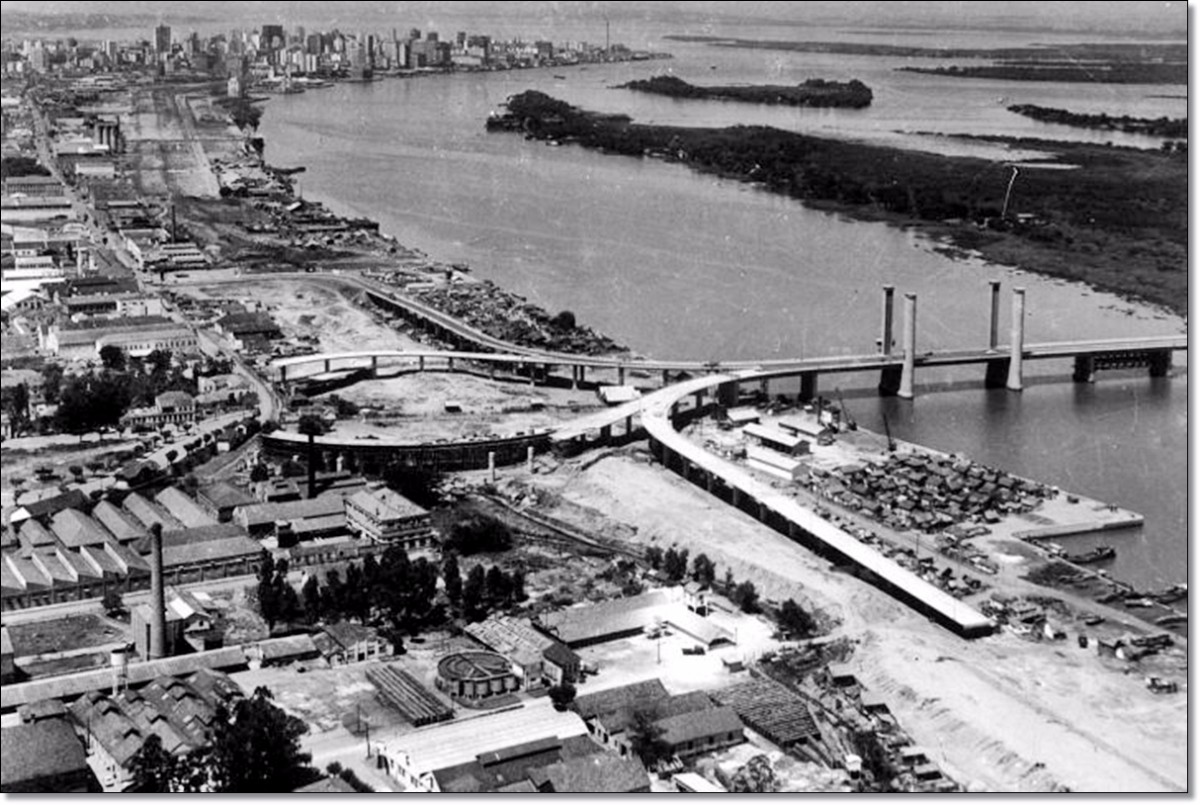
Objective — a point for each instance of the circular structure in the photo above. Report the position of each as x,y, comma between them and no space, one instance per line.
476,675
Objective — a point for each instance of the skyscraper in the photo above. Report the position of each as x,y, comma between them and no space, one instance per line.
162,39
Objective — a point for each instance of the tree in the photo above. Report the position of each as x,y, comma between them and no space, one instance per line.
160,363
745,595
795,620
256,748
76,471
155,770
112,602
16,405
112,357
562,695
703,570
518,586
654,556
52,378
310,599
727,585
646,741
479,533
311,426
259,473
565,320
498,589
675,563
331,597
474,608
268,599
452,578
356,600
418,484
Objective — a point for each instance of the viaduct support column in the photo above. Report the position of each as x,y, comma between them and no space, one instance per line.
1160,363
1085,369
666,378
808,386
994,330
910,346
727,394
620,375
421,363
885,338
1017,345
628,425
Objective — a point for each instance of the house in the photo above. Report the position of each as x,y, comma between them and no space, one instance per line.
170,408
190,625
561,664
220,500
215,383
345,642
329,785
600,773
510,769
416,760
324,515
180,711
45,757
385,516
250,331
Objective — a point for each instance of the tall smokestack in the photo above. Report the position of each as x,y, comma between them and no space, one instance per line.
158,599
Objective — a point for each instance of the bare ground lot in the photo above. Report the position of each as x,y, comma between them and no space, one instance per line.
998,714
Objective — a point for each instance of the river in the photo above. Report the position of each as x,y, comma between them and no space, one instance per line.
673,263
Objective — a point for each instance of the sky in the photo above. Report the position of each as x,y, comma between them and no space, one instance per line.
1124,15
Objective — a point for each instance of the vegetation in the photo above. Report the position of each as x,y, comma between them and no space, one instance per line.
112,602
745,595
335,769
795,621
1066,71
420,485
562,695
478,532
675,564
1155,127
11,167
815,92
704,571
646,741
1118,222
254,749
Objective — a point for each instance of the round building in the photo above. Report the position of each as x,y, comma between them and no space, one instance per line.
476,675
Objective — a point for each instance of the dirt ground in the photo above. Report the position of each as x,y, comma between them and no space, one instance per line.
69,634
998,714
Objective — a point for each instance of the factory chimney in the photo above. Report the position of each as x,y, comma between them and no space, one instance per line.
158,602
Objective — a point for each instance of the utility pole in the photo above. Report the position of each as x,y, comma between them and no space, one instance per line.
1008,192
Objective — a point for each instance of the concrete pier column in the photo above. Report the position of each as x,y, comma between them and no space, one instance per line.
1160,363
606,434
628,425
996,376
450,364
994,329
735,496
699,396
421,363
574,377
666,377
620,375
491,371
1017,343
709,480
283,374
327,364
1085,369
885,337
727,394
492,466
529,458
808,386
582,374
889,381
374,366
910,347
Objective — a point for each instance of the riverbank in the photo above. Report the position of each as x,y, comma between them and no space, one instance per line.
1161,127
1115,220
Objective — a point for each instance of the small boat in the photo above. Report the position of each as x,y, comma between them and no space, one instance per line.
1138,603
560,77
1171,594
1171,620
1093,620
1100,553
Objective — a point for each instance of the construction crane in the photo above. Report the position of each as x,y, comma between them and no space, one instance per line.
888,431
846,418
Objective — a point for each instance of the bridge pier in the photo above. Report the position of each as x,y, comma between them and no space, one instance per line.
629,425
699,397
374,366
910,345
889,381
283,373
327,363
885,339
620,375
996,375
1160,363
450,364
491,371
666,378
1085,369
421,363
1017,343
994,329
727,394
808,386
606,434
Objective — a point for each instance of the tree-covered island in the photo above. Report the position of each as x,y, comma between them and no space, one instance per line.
815,92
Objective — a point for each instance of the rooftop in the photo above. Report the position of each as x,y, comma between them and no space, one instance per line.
43,750
385,504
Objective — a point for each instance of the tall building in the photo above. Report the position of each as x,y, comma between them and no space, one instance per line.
273,37
162,39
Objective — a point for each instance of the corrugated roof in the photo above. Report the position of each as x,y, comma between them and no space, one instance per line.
633,696
118,523
263,513
75,529
210,551
601,773
699,724
43,751
183,508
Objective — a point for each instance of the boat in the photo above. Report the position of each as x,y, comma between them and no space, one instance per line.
1093,620
1171,594
1138,603
1171,620
1100,553
560,77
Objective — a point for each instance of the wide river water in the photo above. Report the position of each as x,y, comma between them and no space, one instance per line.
673,263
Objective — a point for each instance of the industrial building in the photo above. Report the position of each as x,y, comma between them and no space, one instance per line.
387,517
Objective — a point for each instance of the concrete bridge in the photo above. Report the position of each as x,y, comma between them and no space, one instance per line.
1003,363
